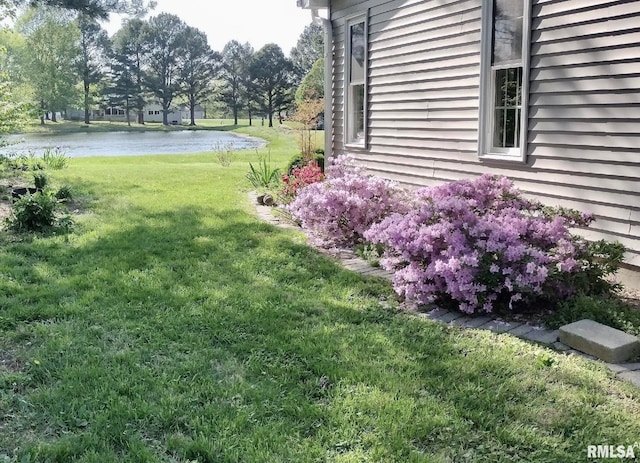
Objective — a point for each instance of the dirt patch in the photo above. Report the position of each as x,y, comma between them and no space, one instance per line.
9,362
5,210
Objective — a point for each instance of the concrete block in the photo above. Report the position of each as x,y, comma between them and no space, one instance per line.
601,341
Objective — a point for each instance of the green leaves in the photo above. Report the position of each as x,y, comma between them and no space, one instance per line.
263,175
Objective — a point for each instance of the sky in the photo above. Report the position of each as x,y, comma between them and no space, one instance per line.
255,21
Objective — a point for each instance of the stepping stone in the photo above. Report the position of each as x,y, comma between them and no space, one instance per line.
449,317
521,330
620,367
500,326
477,322
459,321
560,347
632,376
602,341
542,336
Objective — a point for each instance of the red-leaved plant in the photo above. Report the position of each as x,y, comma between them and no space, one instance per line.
300,177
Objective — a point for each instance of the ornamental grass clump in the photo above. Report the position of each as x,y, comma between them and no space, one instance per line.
481,245
340,209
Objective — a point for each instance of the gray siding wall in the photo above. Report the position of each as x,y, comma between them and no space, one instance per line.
584,108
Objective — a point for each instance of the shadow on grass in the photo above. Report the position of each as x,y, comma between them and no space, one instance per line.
220,338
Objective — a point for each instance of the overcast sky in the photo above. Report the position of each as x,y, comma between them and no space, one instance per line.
255,21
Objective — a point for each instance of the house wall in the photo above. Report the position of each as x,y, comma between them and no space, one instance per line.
584,112
156,116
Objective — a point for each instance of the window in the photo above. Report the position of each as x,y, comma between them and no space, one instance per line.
150,113
356,82
156,112
107,111
504,79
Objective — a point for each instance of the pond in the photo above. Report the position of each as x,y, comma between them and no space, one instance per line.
82,144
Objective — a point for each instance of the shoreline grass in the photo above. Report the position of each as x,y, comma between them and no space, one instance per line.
175,326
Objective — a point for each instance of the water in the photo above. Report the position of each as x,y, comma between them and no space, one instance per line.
82,144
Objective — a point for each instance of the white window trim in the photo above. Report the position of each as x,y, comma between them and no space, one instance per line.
487,88
348,116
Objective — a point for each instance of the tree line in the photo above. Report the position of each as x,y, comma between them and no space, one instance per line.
57,56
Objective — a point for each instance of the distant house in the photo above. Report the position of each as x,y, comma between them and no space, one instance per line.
544,92
198,112
152,113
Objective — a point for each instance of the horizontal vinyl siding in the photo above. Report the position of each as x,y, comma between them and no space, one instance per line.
423,73
585,110
584,115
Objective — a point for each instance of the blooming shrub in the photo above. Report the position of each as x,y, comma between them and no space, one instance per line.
299,178
481,244
340,209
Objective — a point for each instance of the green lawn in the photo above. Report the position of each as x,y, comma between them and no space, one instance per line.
175,326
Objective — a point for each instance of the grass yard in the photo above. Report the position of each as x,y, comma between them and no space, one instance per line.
175,326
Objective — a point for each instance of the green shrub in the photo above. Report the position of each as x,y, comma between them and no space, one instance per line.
37,213
40,180
299,161
608,310
64,193
263,176
55,158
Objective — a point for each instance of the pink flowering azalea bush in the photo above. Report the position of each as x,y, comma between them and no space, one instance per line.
340,209
300,177
481,244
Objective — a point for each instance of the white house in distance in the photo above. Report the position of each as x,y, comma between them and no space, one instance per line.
152,113
185,112
545,92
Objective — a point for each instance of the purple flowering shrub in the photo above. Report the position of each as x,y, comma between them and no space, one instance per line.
338,210
481,244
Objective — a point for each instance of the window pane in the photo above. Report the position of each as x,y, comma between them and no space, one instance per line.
501,87
498,129
357,114
508,8
507,40
510,128
507,30
507,109
357,52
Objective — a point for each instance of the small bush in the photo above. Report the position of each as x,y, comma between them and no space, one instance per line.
299,160
340,209
64,193
263,176
224,153
299,178
40,180
37,213
55,158
483,246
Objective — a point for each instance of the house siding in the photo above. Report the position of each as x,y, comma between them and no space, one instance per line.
583,146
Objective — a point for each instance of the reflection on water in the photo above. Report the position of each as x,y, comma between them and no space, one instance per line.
83,144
